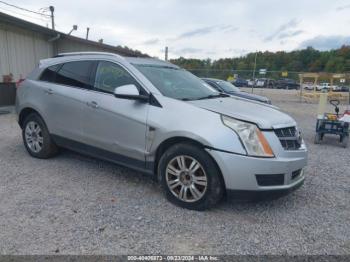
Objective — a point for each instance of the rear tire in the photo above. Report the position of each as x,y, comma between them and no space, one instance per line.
318,138
36,138
345,141
190,178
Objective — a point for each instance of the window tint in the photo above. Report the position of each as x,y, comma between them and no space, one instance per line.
75,74
109,76
49,73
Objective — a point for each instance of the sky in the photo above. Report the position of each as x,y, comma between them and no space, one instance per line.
199,28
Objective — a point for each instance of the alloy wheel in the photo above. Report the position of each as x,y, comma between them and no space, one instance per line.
186,178
34,137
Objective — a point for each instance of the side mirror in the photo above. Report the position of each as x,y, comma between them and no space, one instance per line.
130,92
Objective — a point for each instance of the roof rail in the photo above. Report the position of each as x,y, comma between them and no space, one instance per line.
87,53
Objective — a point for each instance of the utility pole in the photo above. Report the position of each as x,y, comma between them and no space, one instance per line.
52,9
87,33
256,53
166,53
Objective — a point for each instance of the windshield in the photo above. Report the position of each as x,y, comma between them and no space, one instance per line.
177,83
227,86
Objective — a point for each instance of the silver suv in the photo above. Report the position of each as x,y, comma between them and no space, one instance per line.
155,117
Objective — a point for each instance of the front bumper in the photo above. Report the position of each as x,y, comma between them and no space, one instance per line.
240,172
261,195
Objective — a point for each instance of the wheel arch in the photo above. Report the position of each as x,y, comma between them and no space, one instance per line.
166,144
24,113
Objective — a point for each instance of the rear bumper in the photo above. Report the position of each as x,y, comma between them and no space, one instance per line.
244,173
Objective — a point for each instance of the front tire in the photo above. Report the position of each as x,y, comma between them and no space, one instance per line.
190,178
36,138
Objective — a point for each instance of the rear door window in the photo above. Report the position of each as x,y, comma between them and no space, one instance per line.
49,73
77,74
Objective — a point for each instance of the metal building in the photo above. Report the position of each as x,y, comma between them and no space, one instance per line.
23,44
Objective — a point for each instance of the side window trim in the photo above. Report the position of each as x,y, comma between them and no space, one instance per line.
93,72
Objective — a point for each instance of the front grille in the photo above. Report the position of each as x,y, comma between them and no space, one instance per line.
286,132
270,180
289,137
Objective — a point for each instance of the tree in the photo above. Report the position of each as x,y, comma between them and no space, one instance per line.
306,60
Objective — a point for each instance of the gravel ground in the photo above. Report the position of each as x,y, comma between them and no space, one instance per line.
73,204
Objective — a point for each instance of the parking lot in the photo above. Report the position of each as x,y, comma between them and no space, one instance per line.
73,204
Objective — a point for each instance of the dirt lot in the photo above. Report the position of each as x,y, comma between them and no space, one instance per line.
73,204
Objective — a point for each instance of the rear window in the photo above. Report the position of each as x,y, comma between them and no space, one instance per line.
227,86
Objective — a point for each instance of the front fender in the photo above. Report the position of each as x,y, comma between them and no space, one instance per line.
191,122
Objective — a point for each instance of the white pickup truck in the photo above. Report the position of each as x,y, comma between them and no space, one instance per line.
326,86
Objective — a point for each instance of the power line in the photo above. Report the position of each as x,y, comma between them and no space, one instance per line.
25,15
24,9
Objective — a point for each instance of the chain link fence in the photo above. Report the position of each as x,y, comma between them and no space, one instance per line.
226,74
269,79
277,80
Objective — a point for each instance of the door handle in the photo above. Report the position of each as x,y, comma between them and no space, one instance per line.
49,91
92,104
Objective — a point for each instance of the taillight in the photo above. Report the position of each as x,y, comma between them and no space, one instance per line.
19,82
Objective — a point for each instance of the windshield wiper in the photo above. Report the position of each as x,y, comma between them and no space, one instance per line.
213,96
205,97
187,99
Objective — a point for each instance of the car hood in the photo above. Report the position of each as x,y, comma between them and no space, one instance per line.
256,97
265,117
242,98
251,96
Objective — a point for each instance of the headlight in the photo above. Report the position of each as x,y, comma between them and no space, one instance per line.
252,138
